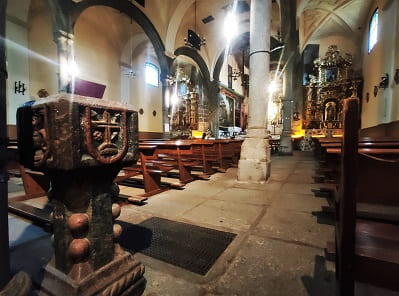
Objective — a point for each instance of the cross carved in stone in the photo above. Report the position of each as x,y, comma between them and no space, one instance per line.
107,124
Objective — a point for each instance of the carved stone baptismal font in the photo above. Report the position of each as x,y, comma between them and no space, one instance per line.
81,144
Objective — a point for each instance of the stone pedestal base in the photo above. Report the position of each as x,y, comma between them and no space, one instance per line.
122,276
285,143
19,285
254,164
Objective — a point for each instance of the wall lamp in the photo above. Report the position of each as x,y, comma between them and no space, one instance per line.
383,84
384,81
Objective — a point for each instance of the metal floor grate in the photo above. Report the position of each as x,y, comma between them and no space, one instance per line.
188,246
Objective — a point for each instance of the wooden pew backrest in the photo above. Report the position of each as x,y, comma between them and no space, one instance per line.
375,179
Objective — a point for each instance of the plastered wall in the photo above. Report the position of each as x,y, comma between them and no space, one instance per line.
383,59
43,60
17,68
145,96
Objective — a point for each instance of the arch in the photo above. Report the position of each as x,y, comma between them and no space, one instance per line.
220,58
174,24
193,54
135,13
218,66
131,44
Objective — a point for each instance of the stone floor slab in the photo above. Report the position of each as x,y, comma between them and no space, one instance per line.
293,226
164,284
224,214
300,178
170,207
299,202
270,185
299,188
206,189
283,269
245,196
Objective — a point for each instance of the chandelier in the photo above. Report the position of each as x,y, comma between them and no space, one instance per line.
193,39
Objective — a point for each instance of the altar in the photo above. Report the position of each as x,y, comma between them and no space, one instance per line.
325,92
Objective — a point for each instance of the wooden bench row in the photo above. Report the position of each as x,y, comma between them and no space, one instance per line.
366,204
157,159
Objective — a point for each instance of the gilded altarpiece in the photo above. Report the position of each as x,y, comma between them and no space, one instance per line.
326,92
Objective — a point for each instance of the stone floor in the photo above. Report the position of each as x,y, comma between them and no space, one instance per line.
280,238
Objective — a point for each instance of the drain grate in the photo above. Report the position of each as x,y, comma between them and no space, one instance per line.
188,246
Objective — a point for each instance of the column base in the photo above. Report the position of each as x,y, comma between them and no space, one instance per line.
285,144
254,163
122,276
253,171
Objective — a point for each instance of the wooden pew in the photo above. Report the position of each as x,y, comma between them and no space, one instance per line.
221,152
174,154
367,251
370,145
151,173
35,185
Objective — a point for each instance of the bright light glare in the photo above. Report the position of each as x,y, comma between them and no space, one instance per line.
72,69
230,25
272,111
174,99
272,87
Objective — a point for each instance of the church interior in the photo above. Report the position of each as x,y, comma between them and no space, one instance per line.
198,147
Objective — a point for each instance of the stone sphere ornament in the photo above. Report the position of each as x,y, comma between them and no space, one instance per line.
117,231
116,210
79,249
78,224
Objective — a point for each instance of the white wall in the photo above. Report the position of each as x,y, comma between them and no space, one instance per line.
104,41
143,95
43,58
17,67
236,84
382,59
345,45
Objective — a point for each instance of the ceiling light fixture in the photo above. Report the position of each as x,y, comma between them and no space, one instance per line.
193,39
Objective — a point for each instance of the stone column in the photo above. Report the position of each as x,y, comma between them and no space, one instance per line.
291,55
66,55
213,107
165,106
254,164
81,144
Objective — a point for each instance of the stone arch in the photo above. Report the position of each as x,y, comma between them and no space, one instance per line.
220,60
220,57
136,14
193,54
218,66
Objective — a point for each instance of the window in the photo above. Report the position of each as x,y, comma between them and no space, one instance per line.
151,74
373,31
